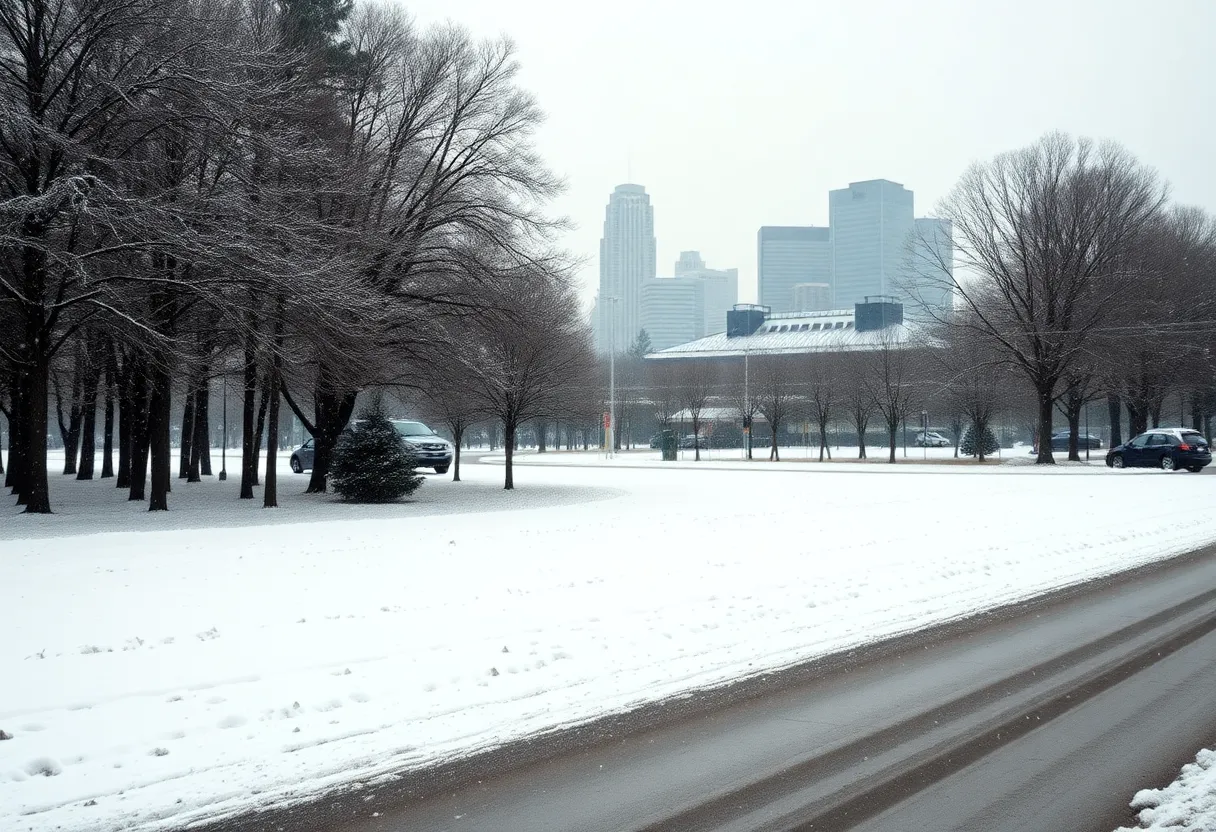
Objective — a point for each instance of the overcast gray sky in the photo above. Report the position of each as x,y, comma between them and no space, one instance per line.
742,114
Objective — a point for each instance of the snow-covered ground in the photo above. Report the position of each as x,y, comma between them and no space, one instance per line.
1189,803
220,655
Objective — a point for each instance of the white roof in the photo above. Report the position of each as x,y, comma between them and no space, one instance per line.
793,334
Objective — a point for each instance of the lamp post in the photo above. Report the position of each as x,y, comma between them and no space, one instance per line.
747,404
610,432
224,450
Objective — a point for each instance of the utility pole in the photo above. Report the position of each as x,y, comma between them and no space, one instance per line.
610,433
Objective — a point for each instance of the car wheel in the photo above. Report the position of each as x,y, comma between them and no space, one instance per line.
441,469
1195,469
296,467
1116,461
1167,463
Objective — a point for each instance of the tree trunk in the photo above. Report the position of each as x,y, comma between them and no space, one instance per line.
159,418
893,437
509,447
88,428
16,435
1196,410
457,434
125,410
861,423
1154,409
1137,417
35,492
139,435
70,432
259,430
774,454
1046,411
1073,415
1114,410
696,437
823,441
249,450
542,443
270,494
187,443
107,441
200,451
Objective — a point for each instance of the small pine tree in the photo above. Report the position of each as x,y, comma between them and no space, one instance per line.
371,462
968,445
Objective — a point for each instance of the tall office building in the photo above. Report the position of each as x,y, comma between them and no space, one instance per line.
871,227
627,260
673,310
721,288
787,255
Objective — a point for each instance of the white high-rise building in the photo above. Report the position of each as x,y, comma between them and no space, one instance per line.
787,255
721,289
673,310
871,225
627,260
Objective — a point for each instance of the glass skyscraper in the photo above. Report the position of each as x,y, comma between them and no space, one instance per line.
787,255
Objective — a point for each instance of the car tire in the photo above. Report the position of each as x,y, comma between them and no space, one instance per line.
1116,461
296,467
1195,469
1167,463
441,469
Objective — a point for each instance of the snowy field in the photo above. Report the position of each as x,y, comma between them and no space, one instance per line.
221,656
1189,803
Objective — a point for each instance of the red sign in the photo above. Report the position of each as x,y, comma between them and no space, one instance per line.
607,421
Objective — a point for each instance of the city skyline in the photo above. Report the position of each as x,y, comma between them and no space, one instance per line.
742,142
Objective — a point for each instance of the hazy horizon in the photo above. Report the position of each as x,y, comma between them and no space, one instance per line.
733,121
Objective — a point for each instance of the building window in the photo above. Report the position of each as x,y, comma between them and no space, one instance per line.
849,325
815,328
840,324
804,327
783,329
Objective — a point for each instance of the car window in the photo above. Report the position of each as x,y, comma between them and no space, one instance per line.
307,444
1140,441
1156,440
1194,439
407,428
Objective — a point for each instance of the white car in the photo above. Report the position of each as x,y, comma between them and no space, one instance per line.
931,440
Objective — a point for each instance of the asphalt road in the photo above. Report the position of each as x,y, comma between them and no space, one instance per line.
1045,717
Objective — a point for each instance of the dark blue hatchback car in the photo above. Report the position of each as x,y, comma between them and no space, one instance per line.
1171,449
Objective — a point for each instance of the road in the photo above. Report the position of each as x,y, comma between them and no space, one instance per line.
1048,716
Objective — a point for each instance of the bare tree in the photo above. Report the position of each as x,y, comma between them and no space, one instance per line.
822,394
1049,233
892,377
775,392
857,395
518,359
695,383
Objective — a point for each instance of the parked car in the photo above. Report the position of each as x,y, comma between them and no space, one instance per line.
1166,448
932,439
301,457
692,441
1059,441
429,448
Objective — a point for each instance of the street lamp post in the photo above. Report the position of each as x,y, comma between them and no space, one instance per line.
224,450
747,405
610,433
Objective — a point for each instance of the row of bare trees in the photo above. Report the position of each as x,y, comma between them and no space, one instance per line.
304,198
1076,274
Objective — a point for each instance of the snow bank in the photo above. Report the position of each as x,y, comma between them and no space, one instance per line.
1188,803
155,677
